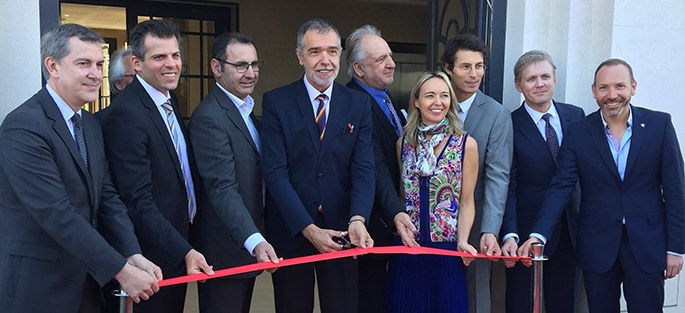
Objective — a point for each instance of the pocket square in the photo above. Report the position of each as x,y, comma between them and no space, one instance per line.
349,128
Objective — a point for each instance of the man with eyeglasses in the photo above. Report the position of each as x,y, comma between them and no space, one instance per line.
225,138
487,121
318,161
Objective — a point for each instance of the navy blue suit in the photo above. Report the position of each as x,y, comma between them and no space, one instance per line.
531,171
302,174
650,197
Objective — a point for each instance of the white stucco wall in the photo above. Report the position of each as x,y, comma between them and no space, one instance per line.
20,74
579,34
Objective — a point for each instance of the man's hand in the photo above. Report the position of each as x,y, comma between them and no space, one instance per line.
674,263
489,245
359,236
525,250
509,249
322,239
464,246
264,252
136,282
196,263
139,261
406,229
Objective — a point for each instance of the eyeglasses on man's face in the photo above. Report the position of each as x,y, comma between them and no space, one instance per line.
466,68
242,67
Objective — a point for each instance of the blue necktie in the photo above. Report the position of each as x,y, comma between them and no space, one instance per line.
78,137
551,136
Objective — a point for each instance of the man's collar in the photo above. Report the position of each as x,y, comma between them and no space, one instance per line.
157,97
249,101
376,93
629,122
537,115
313,92
64,108
466,105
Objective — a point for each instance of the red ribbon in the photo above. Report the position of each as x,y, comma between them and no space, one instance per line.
324,257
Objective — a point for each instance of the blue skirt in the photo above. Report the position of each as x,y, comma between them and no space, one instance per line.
426,283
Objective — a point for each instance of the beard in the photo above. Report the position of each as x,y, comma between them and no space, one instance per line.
325,81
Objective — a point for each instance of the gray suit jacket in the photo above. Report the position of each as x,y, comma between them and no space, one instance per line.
230,167
60,220
489,123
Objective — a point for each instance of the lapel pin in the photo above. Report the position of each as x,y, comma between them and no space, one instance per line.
351,127
642,125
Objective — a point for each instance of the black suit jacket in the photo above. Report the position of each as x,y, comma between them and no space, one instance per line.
303,173
59,220
531,171
387,202
148,176
230,167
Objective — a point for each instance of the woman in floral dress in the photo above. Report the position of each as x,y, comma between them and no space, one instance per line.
439,166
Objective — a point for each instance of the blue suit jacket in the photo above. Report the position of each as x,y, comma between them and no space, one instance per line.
302,172
651,196
531,171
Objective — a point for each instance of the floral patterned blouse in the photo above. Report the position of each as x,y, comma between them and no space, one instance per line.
444,188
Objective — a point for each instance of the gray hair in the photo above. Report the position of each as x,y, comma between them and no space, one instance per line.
55,43
117,70
353,44
319,25
530,57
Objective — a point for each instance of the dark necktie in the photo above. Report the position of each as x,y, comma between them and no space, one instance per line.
551,135
187,179
78,137
395,118
321,115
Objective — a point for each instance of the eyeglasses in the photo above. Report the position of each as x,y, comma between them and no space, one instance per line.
466,68
243,66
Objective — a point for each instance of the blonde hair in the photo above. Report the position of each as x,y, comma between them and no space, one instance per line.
411,130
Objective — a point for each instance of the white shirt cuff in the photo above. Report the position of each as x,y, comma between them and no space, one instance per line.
507,236
252,241
673,253
539,236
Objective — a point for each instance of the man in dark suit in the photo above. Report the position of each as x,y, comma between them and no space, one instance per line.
151,162
225,139
539,126
632,211
489,123
371,68
318,161
63,229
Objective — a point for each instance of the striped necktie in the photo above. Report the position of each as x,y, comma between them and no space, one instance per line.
395,118
321,115
187,178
